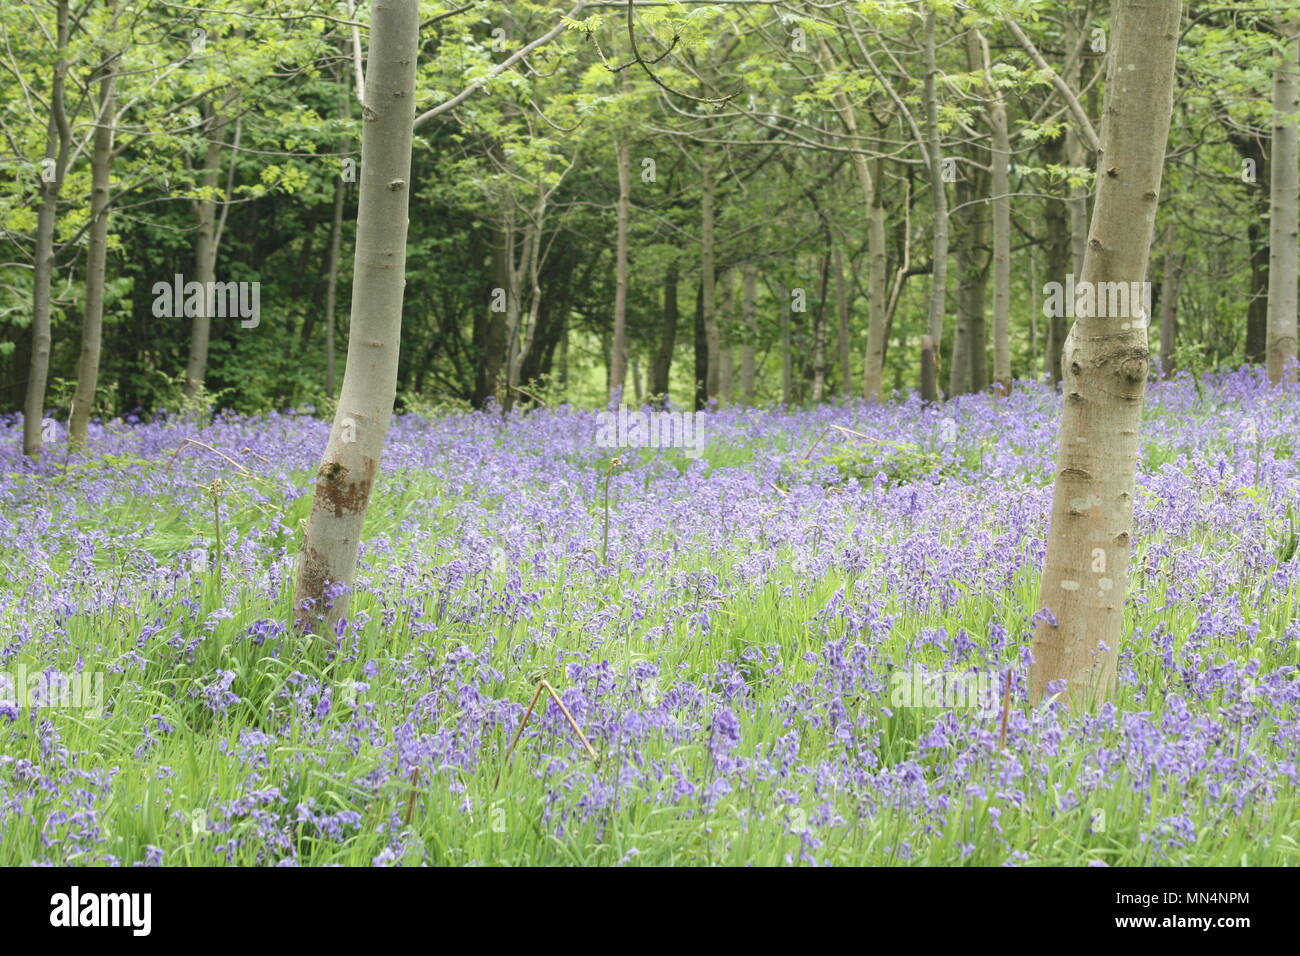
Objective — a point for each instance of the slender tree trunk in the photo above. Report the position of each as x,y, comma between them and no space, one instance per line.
1076,154
496,327
787,348
57,140
877,274
1031,255
843,349
819,335
939,262
972,272
749,308
332,284
1085,574
336,239
663,362
1257,308
618,371
92,329
1284,213
929,370
1058,262
726,360
351,460
1000,187
707,279
205,251
878,308
562,362
701,350
1251,148
1172,279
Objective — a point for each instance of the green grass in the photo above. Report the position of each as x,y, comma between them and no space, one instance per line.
170,794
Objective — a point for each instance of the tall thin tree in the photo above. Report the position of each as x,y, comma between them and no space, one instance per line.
346,476
1085,573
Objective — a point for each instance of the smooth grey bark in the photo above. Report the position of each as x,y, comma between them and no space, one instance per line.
92,328
205,248
1085,573
57,143
351,460
1000,187
878,309
1284,211
707,280
939,258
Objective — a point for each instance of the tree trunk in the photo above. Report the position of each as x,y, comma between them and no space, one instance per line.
726,360
1075,154
787,348
205,251
57,141
332,283
939,259
843,350
819,336
1000,187
1284,211
663,362
878,309
336,238
749,308
929,368
1058,262
972,272
876,254
351,461
701,350
1085,572
92,329
707,279
495,335
1172,279
618,371
1257,308
1251,148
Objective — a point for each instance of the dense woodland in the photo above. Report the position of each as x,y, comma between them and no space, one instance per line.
737,202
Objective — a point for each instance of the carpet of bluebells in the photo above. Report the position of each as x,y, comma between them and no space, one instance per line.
723,629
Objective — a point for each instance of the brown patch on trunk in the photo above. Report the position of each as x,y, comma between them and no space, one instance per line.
312,578
338,491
